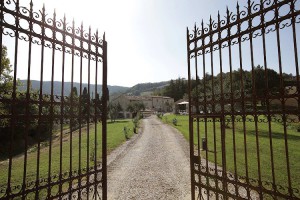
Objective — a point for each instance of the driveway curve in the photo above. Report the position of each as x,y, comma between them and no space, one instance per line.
155,166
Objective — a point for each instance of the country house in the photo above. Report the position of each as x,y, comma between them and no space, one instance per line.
152,103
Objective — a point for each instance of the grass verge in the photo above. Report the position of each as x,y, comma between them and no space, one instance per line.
249,142
77,150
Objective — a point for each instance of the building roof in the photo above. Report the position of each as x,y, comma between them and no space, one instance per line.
141,98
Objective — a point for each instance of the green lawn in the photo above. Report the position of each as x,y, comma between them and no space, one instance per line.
214,152
78,148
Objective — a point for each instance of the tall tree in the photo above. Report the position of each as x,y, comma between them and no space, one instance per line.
85,107
72,108
114,109
176,89
5,71
5,83
273,80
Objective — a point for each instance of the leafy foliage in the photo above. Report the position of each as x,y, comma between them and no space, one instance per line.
85,105
114,109
6,80
135,107
146,87
238,81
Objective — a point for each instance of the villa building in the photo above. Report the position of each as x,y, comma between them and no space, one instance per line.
152,103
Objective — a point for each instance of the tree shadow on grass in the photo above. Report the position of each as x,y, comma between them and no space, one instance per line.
118,122
274,135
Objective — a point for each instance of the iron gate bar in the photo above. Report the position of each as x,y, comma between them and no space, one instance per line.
57,105
207,102
104,118
242,97
255,104
71,107
282,103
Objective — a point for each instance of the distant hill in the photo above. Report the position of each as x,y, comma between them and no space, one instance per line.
138,89
146,88
67,87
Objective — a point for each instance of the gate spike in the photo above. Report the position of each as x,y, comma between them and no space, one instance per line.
97,34
249,4
90,30
54,14
228,15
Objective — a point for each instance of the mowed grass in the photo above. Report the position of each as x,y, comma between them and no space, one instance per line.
85,148
246,142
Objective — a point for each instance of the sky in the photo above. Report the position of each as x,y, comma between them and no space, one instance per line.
146,38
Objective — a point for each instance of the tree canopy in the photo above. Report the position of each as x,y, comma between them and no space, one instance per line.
5,71
253,82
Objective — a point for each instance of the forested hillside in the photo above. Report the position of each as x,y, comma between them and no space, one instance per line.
146,87
57,85
239,80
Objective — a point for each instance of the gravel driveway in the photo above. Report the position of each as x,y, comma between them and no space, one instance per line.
155,166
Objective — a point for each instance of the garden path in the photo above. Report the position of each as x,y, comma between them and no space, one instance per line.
155,166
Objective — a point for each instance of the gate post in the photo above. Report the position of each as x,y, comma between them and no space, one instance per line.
104,119
191,134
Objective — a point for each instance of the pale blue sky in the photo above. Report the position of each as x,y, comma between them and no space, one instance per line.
146,38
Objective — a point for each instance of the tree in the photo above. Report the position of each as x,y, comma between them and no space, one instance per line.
72,108
97,106
24,108
6,80
176,89
85,106
6,84
74,91
135,107
114,109
260,81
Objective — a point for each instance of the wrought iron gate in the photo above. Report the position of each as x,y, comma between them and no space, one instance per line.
244,106
52,109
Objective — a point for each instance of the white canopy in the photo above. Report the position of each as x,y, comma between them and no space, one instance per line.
183,103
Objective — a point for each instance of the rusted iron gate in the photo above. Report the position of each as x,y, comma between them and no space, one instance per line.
243,72
53,121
